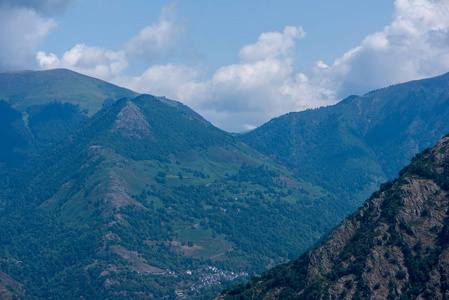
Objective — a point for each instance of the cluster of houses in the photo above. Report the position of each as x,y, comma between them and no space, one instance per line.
207,277
212,276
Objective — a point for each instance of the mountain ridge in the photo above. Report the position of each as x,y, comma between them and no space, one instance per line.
50,104
361,141
26,88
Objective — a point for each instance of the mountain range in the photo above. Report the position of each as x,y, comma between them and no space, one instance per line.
106,193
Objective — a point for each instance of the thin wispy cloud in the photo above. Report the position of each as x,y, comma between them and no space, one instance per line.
163,38
40,6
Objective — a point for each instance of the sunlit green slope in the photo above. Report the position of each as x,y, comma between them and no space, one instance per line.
24,89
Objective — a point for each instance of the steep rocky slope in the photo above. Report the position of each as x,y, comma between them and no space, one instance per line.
395,246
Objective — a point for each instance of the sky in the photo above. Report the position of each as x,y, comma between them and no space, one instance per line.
237,63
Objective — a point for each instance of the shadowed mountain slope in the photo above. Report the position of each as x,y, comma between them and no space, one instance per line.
395,247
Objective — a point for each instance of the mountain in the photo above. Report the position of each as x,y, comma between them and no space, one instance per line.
353,146
147,199
394,247
37,108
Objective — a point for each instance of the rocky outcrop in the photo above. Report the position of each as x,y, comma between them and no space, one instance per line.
131,122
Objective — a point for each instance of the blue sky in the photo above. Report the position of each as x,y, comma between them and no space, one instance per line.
218,29
238,63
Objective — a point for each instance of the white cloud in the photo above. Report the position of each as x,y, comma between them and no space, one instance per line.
238,96
93,61
414,46
21,30
172,81
272,44
160,39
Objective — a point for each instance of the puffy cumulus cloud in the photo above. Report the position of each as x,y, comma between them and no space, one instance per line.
21,30
160,39
262,86
414,46
272,44
251,86
244,96
93,61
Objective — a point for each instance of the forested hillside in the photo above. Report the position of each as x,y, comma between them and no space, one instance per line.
352,147
147,199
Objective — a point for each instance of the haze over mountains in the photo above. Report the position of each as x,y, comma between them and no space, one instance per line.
106,193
